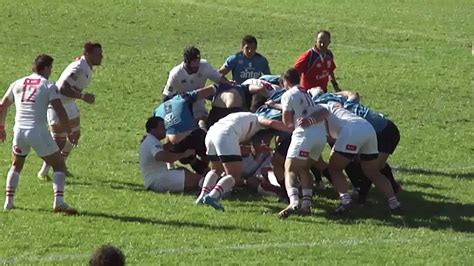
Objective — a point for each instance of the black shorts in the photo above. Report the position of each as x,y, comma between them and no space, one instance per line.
388,138
283,146
217,113
195,141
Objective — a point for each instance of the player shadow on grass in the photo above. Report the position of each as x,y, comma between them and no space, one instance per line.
121,185
420,171
421,209
175,223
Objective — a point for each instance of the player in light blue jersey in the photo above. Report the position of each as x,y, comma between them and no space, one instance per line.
247,63
181,127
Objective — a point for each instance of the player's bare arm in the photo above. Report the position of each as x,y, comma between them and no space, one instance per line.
170,157
314,118
4,104
334,83
350,95
72,92
223,70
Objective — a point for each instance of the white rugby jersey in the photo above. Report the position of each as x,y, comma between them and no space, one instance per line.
270,88
32,95
180,81
243,124
78,74
299,102
339,117
150,167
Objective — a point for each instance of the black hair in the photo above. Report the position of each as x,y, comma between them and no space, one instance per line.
152,123
247,39
191,53
292,75
90,46
41,62
325,32
107,255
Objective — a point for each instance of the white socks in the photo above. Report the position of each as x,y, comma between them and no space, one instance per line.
224,185
59,179
13,178
210,181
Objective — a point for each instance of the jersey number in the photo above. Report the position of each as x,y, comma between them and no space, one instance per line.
29,90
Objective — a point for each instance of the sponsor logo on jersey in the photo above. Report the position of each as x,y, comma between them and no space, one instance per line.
250,74
351,147
304,154
170,120
17,149
183,81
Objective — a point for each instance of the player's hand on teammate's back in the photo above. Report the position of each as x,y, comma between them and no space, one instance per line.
88,98
303,122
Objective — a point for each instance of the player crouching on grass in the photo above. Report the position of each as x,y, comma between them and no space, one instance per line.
153,159
31,95
223,149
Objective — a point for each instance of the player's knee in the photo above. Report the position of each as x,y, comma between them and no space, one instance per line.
59,136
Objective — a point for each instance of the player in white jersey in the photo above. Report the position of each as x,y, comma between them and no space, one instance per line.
153,159
192,74
306,143
354,136
32,95
223,149
72,83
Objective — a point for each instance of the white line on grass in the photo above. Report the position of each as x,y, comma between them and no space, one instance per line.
190,250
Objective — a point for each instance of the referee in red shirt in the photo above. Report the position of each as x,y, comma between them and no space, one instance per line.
317,64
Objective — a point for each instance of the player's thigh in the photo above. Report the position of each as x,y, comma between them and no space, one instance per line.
233,167
20,144
56,160
170,180
339,160
191,181
42,142
227,145
73,114
298,148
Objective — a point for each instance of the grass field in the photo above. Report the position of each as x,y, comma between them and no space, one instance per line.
410,60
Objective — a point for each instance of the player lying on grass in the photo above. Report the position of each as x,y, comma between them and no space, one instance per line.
153,159
223,149
32,95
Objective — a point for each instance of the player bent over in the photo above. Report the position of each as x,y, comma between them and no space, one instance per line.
153,159
223,149
72,82
31,95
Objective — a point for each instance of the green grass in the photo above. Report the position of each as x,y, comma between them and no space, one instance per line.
410,60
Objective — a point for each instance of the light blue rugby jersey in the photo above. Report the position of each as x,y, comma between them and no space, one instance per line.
177,113
244,68
377,120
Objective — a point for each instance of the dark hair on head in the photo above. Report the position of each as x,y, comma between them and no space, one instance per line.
107,255
324,32
152,123
41,62
247,39
90,46
191,53
292,76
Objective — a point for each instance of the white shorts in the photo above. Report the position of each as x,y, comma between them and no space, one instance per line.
71,109
357,138
307,143
199,109
221,143
38,138
171,180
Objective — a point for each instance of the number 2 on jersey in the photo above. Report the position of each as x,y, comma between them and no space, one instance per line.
29,90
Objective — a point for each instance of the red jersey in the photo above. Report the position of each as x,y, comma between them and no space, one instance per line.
315,68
